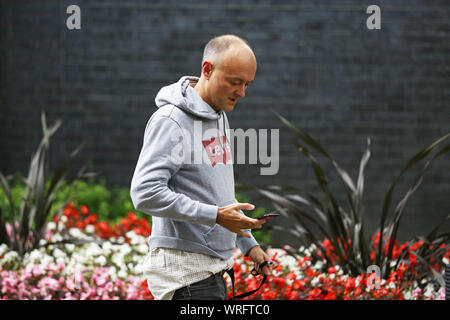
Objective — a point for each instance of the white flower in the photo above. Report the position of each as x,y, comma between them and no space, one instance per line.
10,256
314,281
3,248
318,265
93,250
101,260
70,247
57,237
46,259
112,272
142,248
51,225
445,261
428,292
122,274
35,256
125,249
60,260
76,233
107,246
80,258
42,242
57,253
117,259
407,295
332,276
288,261
139,268
89,228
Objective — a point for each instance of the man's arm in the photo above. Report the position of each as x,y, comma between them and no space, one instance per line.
149,186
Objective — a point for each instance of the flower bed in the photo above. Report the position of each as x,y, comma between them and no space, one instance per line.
109,267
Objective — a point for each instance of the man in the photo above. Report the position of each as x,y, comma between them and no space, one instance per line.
196,218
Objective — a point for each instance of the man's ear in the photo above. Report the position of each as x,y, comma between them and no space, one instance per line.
207,68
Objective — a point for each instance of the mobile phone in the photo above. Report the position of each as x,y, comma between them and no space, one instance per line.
268,216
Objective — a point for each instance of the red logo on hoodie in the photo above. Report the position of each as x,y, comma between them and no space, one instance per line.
217,153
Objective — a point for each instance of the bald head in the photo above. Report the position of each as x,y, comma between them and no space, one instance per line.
228,67
217,48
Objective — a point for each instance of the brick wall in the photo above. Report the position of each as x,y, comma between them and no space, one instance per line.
318,65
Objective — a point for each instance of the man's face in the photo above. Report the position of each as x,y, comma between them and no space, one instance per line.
230,78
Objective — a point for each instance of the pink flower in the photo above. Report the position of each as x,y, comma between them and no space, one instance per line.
442,293
109,286
49,282
70,284
78,276
60,267
36,270
132,293
69,296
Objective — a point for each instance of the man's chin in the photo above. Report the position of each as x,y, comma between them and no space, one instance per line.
229,107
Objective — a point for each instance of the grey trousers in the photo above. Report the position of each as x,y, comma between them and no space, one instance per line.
212,288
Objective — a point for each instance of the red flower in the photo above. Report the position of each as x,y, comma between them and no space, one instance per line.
314,294
79,224
350,284
84,210
133,218
330,296
91,219
416,246
103,227
412,260
280,282
125,224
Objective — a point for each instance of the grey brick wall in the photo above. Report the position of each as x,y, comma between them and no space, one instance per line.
318,65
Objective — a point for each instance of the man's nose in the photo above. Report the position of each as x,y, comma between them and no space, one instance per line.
241,91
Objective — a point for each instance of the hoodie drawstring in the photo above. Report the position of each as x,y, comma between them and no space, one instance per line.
224,130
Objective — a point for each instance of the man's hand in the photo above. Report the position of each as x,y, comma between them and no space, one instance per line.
232,219
258,256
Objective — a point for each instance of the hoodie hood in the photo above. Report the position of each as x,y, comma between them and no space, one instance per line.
183,96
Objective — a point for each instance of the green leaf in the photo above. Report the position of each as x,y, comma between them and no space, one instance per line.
303,135
388,198
400,207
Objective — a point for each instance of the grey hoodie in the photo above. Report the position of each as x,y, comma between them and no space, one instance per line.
183,197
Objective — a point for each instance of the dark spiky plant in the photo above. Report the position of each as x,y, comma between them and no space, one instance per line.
40,188
318,217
